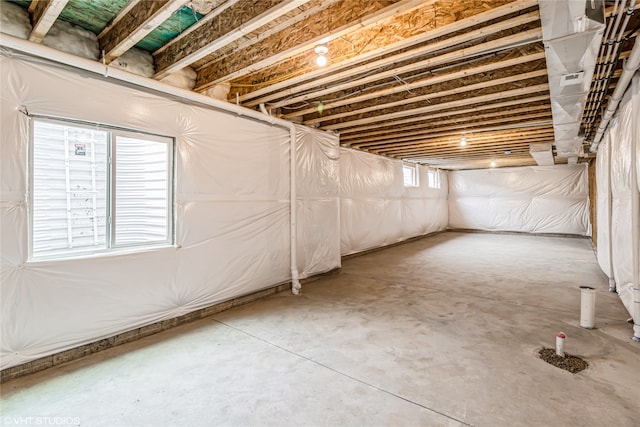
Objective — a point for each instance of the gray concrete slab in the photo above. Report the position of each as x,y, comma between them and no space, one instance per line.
440,331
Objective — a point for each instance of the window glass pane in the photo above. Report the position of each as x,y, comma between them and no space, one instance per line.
410,176
69,202
141,191
434,179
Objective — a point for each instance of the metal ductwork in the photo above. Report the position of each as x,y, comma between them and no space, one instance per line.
572,33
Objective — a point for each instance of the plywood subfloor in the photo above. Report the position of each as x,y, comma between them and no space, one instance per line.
442,331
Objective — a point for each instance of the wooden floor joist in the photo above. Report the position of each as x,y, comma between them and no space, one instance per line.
260,55
393,124
453,104
208,38
456,91
421,83
297,84
482,126
463,122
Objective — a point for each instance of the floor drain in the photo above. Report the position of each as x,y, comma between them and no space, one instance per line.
573,364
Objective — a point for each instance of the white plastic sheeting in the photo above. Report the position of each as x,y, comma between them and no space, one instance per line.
532,199
616,175
318,195
232,214
375,207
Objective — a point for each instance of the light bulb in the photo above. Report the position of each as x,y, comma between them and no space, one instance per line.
321,60
463,141
493,163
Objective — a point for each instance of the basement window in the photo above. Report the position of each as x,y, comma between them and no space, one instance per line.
410,176
433,176
98,190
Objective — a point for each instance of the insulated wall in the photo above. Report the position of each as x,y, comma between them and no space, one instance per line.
618,186
376,209
318,195
232,205
532,199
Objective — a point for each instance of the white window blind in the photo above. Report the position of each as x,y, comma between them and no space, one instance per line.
94,190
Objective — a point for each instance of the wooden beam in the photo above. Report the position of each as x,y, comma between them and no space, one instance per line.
457,129
455,91
133,24
43,15
478,139
274,91
506,138
493,146
452,104
460,120
447,113
342,18
483,48
214,33
402,144
422,83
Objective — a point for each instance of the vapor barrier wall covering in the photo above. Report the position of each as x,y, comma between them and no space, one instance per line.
232,214
614,174
376,209
533,199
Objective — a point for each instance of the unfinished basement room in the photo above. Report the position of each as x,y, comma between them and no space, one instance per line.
332,213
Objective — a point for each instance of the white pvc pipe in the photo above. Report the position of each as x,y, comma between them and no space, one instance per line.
587,307
612,279
108,72
635,228
560,337
628,69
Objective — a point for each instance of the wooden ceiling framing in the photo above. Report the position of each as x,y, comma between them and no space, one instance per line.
406,78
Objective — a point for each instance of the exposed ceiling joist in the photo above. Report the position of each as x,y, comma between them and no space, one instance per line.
508,138
138,20
295,84
241,18
410,141
302,36
476,126
469,112
483,48
462,122
455,91
43,15
452,104
423,83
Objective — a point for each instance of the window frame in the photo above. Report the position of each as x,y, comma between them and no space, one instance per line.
415,175
436,178
110,247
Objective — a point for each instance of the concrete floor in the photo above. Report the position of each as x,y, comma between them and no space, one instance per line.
442,331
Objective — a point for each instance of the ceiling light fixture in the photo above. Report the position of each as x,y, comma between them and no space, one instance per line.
321,50
463,141
493,163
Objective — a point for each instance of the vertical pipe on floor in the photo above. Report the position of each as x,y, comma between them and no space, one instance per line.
635,224
295,280
612,279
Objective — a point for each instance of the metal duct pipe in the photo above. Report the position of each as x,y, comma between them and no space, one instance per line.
106,71
628,69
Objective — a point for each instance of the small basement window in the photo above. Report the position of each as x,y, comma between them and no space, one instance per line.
96,190
433,175
410,175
